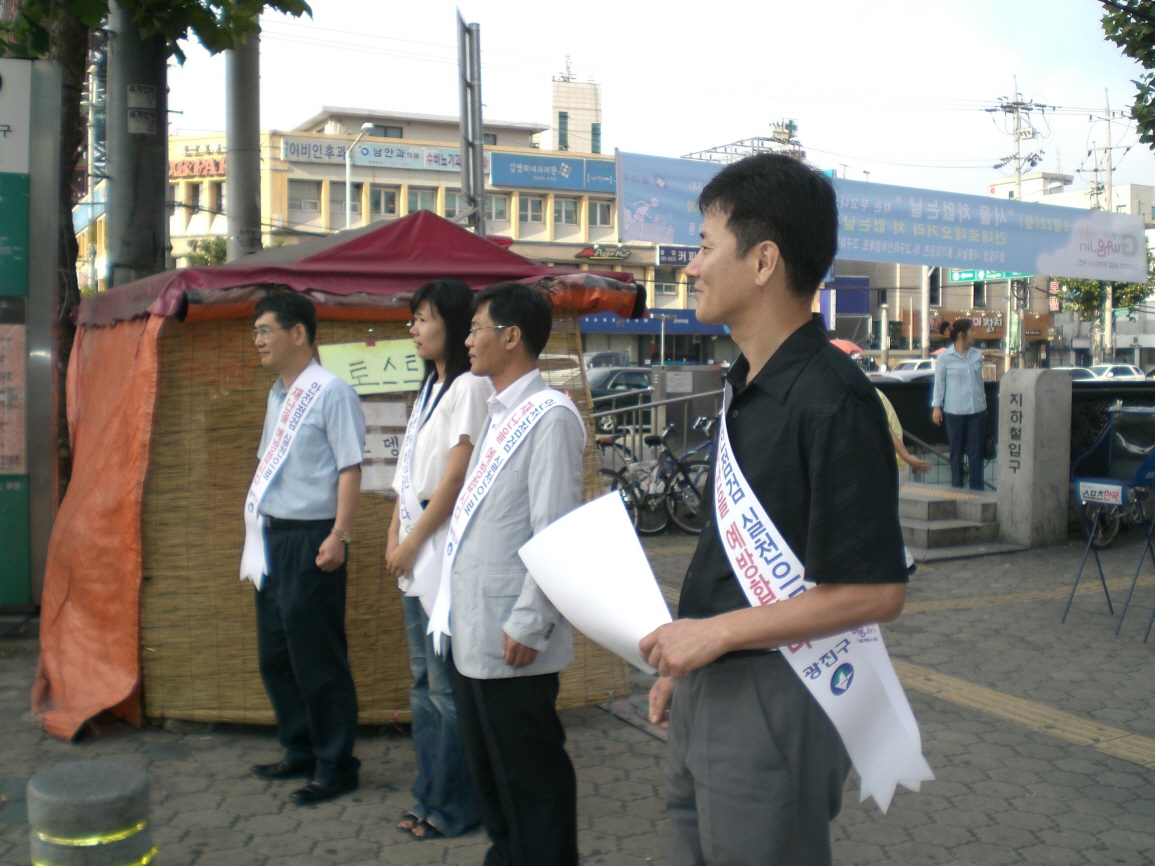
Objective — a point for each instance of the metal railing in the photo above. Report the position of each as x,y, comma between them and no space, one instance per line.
621,430
940,473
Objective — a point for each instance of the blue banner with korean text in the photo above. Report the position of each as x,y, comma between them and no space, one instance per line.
544,172
658,198
880,223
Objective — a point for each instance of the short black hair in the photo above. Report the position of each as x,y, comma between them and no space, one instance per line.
289,308
520,305
774,197
453,301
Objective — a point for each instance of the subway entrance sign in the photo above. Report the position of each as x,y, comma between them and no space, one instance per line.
959,275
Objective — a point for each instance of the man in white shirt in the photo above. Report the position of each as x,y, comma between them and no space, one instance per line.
508,640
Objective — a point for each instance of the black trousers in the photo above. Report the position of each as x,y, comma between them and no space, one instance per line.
303,656
965,434
515,749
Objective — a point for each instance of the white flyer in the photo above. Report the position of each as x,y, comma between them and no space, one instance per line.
592,567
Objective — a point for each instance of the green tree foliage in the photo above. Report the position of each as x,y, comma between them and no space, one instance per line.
1130,24
1086,296
210,251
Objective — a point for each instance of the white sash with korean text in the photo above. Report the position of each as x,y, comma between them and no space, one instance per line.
496,449
849,674
299,400
425,573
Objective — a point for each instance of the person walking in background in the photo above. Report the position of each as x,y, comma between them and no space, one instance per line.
448,416
298,524
906,460
960,400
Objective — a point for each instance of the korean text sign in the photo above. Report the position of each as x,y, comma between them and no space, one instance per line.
385,367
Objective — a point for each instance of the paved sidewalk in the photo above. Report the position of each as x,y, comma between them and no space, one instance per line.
1007,791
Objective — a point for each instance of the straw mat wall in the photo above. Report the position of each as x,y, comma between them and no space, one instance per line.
198,632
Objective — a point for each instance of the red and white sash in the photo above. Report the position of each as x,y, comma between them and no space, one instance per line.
849,674
301,398
497,447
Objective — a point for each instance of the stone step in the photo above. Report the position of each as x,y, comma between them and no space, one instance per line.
946,533
962,551
926,507
983,510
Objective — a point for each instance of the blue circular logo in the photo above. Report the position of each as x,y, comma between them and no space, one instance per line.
843,677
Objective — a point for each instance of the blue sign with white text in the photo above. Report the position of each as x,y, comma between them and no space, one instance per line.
675,257
544,172
600,175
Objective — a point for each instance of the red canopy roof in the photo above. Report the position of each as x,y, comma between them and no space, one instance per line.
381,260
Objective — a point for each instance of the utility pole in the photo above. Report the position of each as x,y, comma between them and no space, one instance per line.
472,133
1110,159
1010,349
137,147
924,325
1018,111
243,147
1108,323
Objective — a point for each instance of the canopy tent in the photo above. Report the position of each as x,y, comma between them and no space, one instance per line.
142,612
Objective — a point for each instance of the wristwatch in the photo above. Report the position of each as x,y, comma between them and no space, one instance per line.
343,536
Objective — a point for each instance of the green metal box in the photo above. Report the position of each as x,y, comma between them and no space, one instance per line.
15,576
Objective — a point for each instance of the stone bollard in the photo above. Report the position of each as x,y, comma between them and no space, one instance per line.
1034,456
90,813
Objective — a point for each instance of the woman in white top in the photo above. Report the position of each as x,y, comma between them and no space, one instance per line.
448,416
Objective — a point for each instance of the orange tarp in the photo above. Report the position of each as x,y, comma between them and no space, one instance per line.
90,611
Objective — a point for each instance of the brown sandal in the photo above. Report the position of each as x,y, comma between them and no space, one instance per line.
408,823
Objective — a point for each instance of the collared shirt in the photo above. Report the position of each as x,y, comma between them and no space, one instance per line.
493,594
958,382
500,405
812,440
331,438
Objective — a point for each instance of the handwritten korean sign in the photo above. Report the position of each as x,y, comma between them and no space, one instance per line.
12,435
386,367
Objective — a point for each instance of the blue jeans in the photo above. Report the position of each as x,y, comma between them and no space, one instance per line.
443,792
966,433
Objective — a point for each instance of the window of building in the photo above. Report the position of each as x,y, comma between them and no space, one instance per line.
216,198
595,138
489,138
601,213
422,199
936,287
979,298
194,198
170,205
455,203
530,209
305,195
337,199
565,211
386,131
382,201
496,208
665,281
1120,208
563,130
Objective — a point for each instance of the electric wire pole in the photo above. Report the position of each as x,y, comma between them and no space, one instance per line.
1018,111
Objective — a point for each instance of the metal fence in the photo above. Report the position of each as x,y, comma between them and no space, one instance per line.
621,430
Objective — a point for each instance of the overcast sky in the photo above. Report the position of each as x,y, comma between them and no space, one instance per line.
892,87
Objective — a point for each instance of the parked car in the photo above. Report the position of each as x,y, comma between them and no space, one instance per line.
607,359
629,386
913,369
1117,373
1078,374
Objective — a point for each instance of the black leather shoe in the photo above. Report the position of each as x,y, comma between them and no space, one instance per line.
284,770
315,791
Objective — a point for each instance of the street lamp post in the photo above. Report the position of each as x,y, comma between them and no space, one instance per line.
365,127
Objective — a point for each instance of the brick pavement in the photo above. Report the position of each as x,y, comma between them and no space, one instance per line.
1005,793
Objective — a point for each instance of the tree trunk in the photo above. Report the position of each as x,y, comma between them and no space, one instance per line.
69,50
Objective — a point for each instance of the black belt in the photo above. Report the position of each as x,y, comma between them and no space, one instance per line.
281,523
745,654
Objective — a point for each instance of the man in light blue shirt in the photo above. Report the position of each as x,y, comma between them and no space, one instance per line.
960,399
308,511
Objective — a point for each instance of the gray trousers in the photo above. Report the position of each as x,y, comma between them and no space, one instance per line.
755,768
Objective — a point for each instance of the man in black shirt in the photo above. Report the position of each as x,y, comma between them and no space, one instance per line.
755,768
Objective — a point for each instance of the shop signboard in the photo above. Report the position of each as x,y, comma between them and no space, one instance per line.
540,172
600,175
674,256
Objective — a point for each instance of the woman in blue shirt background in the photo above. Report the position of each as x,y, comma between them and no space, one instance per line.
960,399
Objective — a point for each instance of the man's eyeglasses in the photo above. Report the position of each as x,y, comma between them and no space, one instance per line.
474,329
263,333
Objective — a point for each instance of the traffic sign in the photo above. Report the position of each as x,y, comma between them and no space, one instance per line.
958,275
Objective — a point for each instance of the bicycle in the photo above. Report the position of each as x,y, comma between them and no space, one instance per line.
666,489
